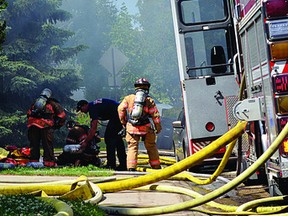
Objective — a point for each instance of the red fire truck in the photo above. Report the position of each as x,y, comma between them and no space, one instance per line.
222,45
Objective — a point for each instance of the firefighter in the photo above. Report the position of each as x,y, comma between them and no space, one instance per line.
45,115
78,133
105,109
135,112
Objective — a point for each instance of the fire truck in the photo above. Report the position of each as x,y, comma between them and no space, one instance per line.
232,57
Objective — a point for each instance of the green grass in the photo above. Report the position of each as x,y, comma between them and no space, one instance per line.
60,171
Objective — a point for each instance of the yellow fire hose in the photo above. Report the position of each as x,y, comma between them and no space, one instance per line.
254,203
210,196
146,161
140,181
49,188
64,182
143,159
212,178
226,209
164,174
81,188
24,189
61,207
177,167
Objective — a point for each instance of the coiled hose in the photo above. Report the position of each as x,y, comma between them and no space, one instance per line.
208,197
244,209
177,167
201,181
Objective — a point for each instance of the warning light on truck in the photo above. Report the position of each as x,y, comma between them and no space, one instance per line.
210,126
276,8
279,50
280,83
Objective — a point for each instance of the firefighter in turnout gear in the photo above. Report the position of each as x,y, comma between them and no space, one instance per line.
44,116
77,134
139,114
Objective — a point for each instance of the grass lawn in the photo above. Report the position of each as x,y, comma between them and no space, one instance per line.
59,171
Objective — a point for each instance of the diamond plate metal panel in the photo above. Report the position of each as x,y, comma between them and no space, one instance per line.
232,122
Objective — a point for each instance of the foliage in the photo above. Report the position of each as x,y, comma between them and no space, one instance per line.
83,118
13,123
147,39
160,60
3,5
31,205
34,56
127,38
24,204
85,209
58,45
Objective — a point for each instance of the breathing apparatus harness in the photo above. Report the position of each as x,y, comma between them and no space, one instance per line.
40,103
40,111
136,117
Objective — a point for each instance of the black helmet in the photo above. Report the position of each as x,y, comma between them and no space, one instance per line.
142,83
80,104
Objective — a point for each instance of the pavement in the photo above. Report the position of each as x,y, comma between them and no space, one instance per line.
122,198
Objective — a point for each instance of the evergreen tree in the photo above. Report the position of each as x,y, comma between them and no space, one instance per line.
3,5
33,57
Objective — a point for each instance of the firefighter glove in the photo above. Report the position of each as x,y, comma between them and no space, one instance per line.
158,128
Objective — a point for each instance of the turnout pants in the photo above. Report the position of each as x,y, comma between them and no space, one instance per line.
150,145
35,136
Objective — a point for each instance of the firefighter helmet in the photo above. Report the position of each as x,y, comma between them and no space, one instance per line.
142,83
46,93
